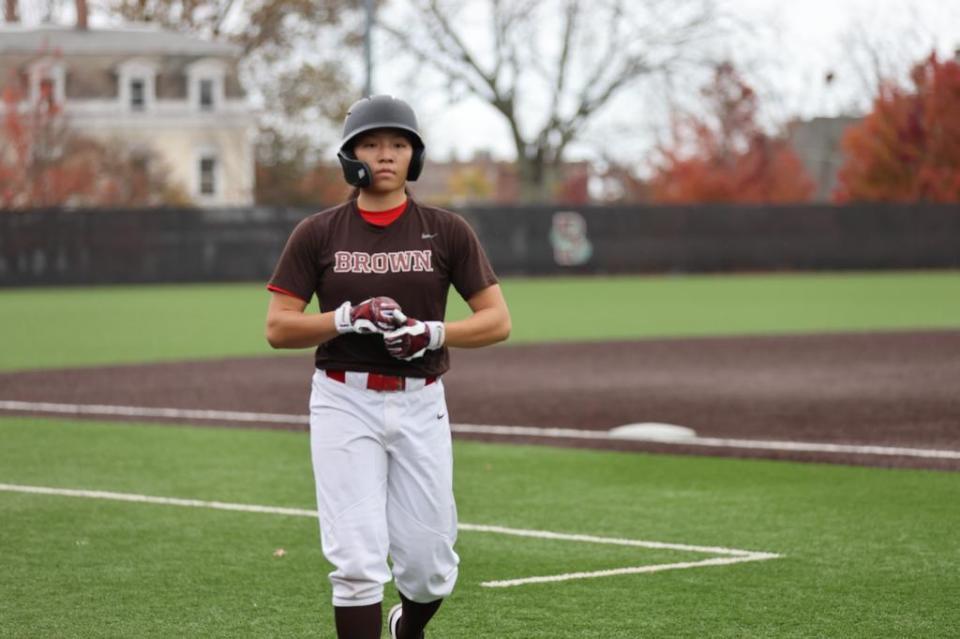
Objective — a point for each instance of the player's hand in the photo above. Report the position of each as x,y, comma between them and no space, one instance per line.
414,339
374,315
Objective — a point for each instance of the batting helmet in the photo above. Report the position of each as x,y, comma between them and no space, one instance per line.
378,112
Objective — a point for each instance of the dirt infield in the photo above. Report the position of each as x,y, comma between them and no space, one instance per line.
886,389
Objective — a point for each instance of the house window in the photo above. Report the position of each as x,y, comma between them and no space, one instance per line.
208,175
137,94
206,95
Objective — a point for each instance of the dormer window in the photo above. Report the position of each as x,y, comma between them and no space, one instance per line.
206,94
137,80
205,84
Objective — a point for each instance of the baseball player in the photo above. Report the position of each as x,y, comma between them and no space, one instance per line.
381,265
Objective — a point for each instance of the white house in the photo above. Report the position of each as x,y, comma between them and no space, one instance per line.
175,94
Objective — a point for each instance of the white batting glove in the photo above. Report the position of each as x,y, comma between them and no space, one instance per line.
374,315
414,339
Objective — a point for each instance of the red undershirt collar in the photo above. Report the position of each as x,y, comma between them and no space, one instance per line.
383,218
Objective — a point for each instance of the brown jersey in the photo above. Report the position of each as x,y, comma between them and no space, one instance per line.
338,256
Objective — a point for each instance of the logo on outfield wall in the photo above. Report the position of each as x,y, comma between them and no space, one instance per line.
568,237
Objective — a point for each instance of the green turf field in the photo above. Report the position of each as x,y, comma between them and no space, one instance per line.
85,326
866,552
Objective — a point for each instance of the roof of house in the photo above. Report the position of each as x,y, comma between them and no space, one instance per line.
131,38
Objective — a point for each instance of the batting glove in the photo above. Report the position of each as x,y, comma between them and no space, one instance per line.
374,315
414,339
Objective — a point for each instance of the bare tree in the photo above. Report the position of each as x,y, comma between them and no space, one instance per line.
82,14
277,24
550,66
882,48
292,51
10,11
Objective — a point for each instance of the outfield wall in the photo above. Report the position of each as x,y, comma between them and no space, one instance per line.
98,246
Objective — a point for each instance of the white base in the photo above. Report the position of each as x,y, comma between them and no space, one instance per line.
652,431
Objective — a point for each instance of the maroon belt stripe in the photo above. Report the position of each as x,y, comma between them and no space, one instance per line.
376,381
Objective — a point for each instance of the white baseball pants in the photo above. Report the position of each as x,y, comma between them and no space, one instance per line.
383,467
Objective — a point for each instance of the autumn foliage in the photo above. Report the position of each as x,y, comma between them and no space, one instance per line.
32,138
44,163
726,156
908,148
287,175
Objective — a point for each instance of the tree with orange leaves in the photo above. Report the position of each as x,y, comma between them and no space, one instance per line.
726,156
35,141
908,148
44,163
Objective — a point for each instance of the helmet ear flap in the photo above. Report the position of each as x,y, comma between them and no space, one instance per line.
416,163
355,172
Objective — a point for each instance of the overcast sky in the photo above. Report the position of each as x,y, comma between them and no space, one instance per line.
794,45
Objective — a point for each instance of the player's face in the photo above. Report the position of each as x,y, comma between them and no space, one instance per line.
388,153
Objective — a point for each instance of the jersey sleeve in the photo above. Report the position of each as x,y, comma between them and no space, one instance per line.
296,271
471,270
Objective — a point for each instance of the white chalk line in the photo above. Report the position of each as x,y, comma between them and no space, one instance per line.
591,539
715,561
481,429
111,410
165,501
733,555
711,442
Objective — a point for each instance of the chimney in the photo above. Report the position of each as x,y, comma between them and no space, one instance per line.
81,15
10,11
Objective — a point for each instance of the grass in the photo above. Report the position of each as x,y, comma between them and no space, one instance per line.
642,307
51,328
868,552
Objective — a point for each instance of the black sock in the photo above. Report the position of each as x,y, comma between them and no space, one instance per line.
358,622
415,617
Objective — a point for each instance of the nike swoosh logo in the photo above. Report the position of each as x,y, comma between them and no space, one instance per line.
427,236
440,415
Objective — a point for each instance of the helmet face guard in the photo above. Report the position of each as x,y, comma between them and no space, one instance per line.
378,112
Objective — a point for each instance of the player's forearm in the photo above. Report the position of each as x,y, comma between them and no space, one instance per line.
486,326
291,329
